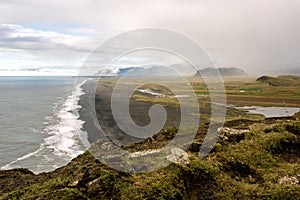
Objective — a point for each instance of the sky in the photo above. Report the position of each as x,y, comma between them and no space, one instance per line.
52,37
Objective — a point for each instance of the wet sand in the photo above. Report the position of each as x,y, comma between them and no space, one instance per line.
102,98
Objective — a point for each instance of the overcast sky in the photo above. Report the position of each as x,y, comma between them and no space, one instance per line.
55,36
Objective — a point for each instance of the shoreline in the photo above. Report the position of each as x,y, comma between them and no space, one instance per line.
105,119
61,138
139,111
86,178
83,111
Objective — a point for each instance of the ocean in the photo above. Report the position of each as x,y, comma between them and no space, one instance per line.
40,127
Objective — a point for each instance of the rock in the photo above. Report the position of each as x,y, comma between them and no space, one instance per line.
93,181
78,178
143,153
232,135
107,146
178,156
114,158
289,180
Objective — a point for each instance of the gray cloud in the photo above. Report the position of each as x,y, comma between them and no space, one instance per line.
40,71
256,35
18,37
21,46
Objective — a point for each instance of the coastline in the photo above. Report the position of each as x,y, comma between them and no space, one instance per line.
61,135
102,97
87,178
84,112
104,118
239,160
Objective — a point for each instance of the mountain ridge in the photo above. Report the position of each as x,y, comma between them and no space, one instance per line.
223,71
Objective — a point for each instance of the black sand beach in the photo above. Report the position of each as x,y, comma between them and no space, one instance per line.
102,98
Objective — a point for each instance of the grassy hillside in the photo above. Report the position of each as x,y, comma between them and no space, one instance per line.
287,80
254,158
263,163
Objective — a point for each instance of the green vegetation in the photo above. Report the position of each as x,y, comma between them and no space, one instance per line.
244,91
250,168
286,80
262,162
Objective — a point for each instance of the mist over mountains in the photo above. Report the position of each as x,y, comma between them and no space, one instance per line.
185,70
157,70
290,71
141,71
179,70
210,71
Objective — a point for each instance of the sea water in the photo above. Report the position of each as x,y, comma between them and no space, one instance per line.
40,127
271,111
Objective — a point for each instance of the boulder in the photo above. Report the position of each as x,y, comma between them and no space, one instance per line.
289,180
178,156
232,135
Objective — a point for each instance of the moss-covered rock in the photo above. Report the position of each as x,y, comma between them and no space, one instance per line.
259,165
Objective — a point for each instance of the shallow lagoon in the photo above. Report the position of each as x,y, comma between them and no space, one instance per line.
271,111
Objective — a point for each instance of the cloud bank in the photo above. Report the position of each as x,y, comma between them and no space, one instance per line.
256,35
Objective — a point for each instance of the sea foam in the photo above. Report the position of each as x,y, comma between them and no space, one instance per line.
64,137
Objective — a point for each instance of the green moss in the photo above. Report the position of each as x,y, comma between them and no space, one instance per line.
218,147
65,194
278,128
166,183
278,142
248,169
293,128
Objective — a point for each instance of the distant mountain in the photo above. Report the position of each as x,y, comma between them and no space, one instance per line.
210,71
123,71
151,71
161,70
284,80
